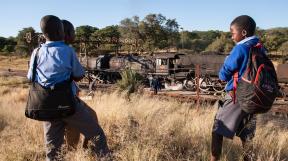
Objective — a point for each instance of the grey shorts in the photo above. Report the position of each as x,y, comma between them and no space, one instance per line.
83,121
231,120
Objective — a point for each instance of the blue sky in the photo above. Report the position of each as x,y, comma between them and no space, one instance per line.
192,15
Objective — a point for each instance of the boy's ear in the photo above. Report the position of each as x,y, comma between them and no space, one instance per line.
244,33
46,36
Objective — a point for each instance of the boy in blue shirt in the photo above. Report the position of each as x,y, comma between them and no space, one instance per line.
57,62
230,119
72,135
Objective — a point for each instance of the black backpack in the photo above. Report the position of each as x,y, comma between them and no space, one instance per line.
258,86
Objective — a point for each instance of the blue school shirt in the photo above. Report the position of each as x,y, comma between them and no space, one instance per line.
237,61
56,62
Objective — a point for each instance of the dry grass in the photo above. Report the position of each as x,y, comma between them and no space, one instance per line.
142,129
13,81
14,62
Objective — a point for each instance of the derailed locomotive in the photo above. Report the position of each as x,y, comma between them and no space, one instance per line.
169,67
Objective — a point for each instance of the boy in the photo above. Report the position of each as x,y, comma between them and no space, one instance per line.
156,84
230,119
57,62
73,135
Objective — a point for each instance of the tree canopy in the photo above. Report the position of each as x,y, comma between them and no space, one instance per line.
153,33
27,40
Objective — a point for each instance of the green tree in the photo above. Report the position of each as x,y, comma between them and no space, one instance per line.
108,38
197,41
199,45
132,33
186,38
2,42
83,38
83,33
160,33
156,37
209,35
221,44
273,38
10,44
154,32
172,29
283,49
26,41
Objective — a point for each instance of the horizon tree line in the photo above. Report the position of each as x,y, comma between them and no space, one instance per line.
153,33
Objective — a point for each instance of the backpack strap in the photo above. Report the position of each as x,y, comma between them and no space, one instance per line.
35,64
235,80
258,45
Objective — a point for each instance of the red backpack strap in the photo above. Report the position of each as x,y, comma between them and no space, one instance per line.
258,45
235,80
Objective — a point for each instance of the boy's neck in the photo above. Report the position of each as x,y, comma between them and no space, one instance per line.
246,39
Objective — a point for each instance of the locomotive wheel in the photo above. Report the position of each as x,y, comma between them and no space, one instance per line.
218,86
189,84
204,84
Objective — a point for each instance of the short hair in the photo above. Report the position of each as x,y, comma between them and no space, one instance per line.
68,27
52,28
245,22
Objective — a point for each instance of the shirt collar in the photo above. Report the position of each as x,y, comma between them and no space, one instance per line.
247,39
52,43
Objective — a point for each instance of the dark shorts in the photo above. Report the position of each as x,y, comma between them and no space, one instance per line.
231,120
247,128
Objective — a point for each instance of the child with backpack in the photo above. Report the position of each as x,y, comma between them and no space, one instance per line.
72,135
230,118
55,63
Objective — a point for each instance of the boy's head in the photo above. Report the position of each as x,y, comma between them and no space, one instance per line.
242,27
52,28
68,31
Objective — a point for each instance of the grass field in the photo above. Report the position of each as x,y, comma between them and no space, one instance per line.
139,129
142,129
14,62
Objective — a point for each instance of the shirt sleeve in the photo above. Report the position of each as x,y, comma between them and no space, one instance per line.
77,69
30,70
232,63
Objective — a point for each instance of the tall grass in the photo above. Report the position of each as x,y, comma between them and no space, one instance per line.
142,129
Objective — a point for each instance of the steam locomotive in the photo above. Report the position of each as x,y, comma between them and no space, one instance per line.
172,67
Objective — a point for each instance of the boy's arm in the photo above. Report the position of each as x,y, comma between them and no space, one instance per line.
77,69
232,63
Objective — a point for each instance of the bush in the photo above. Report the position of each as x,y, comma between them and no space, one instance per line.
130,81
8,48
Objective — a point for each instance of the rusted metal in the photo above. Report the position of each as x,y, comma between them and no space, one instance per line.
168,55
282,72
197,85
